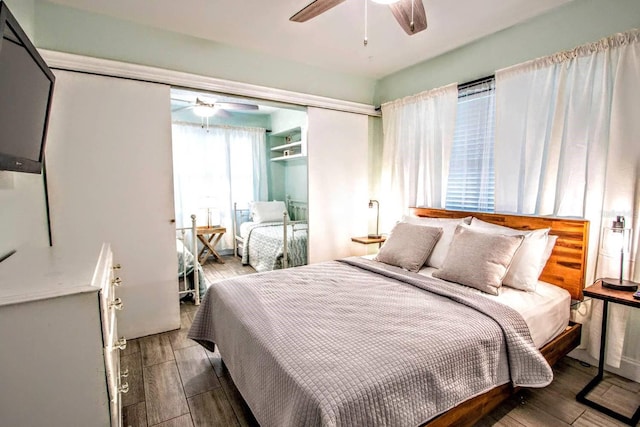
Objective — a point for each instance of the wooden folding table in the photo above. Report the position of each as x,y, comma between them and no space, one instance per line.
209,236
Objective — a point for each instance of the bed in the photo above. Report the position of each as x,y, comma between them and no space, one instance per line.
365,342
190,271
271,235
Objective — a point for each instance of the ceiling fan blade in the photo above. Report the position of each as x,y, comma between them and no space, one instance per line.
402,12
314,9
223,114
235,106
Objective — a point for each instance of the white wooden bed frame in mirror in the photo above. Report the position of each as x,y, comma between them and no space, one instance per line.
295,216
188,250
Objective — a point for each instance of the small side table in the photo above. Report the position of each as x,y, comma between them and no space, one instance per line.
369,240
597,291
209,236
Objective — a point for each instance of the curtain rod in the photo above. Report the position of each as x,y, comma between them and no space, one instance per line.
476,82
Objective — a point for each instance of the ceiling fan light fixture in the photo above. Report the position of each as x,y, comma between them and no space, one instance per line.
204,111
385,1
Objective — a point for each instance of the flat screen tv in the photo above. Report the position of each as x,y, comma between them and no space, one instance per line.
26,88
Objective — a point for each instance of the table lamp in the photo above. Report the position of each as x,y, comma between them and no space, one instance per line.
617,239
377,235
209,205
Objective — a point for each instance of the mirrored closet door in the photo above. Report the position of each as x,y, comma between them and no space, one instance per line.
240,167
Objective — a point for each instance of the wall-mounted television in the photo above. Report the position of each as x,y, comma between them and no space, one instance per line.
26,89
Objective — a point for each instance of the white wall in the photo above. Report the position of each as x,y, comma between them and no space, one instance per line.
338,183
284,119
23,220
24,12
295,180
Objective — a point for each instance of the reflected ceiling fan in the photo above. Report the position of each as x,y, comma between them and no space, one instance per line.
208,109
410,14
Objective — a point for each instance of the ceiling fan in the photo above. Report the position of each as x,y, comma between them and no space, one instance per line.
410,14
207,109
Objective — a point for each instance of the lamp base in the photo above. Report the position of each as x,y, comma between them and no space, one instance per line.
624,285
374,236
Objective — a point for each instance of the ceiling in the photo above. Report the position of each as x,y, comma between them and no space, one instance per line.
333,40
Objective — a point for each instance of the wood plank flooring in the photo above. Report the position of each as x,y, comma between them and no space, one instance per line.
174,382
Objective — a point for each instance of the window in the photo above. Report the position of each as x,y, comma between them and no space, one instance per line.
212,169
471,178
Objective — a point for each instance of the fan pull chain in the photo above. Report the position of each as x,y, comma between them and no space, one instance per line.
366,24
202,120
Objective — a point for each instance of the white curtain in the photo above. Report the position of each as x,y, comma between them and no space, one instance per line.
567,144
213,168
418,135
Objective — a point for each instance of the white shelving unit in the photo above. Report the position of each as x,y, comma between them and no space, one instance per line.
289,144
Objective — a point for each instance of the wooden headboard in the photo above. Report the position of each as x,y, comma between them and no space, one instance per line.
567,263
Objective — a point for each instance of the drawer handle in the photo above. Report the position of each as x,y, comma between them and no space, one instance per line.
124,388
116,267
117,281
125,373
117,304
121,344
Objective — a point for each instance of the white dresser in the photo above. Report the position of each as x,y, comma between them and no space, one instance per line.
59,348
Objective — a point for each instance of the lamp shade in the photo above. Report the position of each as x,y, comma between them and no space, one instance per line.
371,203
616,241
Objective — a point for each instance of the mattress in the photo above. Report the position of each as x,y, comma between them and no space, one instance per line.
545,311
245,227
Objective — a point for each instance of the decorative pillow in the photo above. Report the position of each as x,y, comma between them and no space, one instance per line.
448,226
479,260
408,246
551,242
268,211
528,261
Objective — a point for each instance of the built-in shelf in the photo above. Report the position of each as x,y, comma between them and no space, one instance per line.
287,146
291,157
290,141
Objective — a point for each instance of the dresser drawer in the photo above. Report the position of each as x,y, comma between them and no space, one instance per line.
110,305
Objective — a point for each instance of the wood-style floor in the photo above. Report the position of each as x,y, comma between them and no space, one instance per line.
174,382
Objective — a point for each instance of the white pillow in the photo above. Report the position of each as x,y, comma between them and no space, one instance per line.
268,211
448,225
551,242
528,261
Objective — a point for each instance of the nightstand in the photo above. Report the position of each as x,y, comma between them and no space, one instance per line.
597,291
369,240
209,236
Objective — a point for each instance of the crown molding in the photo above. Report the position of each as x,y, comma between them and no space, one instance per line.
107,67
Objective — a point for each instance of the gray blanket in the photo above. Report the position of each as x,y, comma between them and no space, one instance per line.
263,248
357,343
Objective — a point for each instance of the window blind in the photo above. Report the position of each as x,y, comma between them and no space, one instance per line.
471,177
